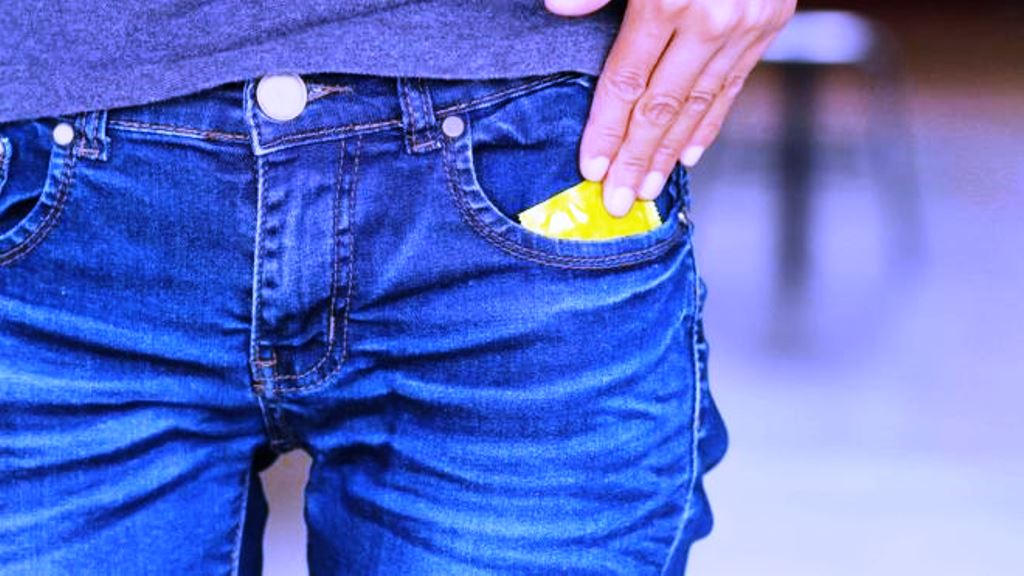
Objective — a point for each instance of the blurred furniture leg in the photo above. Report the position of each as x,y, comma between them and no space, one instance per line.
811,44
797,163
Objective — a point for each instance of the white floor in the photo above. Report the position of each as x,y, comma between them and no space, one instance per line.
876,426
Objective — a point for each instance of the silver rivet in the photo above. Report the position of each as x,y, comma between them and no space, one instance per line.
681,215
453,126
63,134
281,96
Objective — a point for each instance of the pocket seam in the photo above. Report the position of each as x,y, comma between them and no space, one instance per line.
599,262
500,97
62,184
5,160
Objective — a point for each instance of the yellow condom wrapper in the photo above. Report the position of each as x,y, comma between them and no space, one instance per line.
578,213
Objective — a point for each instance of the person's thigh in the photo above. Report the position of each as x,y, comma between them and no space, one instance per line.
510,403
128,423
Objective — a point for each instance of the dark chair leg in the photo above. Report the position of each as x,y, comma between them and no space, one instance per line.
892,147
799,93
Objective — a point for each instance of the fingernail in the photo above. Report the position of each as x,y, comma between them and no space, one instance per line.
652,185
595,168
619,201
692,155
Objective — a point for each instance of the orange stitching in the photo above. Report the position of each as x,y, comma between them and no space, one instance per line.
348,296
261,217
183,130
318,91
50,219
351,283
609,262
330,335
501,95
348,129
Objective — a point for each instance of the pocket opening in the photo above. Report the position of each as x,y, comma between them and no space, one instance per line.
479,208
36,174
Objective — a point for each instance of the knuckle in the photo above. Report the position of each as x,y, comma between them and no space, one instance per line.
666,155
734,84
788,9
747,22
710,129
673,142
699,102
660,109
715,32
628,84
718,26
783,15
632,163
672,7
755,21
608,133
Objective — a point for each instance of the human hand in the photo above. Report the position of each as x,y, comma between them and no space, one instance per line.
667,85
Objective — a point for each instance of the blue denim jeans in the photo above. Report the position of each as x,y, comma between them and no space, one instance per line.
190,287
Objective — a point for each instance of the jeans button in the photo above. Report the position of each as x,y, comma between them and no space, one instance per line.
281,96
63,134
453,126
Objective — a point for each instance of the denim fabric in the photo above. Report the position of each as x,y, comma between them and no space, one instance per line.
190,287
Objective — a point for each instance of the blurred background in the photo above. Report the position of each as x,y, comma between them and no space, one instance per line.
860,226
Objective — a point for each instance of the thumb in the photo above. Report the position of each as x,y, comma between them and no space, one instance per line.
574,7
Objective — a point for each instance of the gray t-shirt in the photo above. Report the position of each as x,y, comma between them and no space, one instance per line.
62,56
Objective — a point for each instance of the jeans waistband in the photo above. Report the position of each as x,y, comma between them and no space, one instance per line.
338,105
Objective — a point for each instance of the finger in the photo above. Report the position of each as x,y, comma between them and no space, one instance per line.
705,111
694,132
574,7
642,39
686,82
709,127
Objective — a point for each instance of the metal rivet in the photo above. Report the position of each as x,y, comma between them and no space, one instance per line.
681,215
453,126
63,134
281,96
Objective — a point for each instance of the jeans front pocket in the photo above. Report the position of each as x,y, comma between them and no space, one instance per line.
522,150
35,175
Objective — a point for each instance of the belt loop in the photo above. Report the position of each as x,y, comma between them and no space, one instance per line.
93,141
418,120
